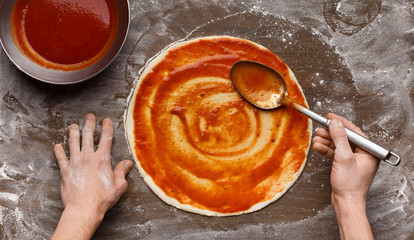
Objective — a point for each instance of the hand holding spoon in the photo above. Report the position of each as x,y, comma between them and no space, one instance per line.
266,89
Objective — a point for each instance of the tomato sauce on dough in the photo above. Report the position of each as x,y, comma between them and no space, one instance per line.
64,34
202,143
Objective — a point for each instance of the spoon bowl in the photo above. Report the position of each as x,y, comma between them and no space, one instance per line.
260,85
266,89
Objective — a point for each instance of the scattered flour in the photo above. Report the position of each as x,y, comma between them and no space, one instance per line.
380,66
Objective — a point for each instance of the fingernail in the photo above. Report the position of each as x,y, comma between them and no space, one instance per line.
107,122
57,146
336,123
90,116
128,164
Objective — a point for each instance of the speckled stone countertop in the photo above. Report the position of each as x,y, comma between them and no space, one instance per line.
351,57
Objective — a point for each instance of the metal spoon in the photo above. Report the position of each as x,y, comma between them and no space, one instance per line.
266,89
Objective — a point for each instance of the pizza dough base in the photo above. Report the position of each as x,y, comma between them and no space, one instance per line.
129,126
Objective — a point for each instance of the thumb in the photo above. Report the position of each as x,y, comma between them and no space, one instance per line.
122,168
343,150
120,171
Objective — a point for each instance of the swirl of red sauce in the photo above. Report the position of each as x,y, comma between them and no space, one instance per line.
201,143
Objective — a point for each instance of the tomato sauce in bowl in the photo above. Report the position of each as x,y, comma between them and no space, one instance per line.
64,34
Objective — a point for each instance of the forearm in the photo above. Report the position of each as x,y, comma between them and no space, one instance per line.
75,224
352,219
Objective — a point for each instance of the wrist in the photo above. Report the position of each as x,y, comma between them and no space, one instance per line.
88,216
76,223
340,202
352,218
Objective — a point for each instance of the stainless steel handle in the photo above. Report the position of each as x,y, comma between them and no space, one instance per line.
360,141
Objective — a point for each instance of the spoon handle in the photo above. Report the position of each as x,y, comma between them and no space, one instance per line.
360,141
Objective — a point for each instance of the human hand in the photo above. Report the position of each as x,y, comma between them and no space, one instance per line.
353,171
89,187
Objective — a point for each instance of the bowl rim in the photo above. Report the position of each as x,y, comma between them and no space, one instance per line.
21,66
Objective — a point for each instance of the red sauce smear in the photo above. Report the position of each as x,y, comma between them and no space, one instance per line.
64,34
181,142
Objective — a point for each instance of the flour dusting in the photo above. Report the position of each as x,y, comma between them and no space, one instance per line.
351,57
